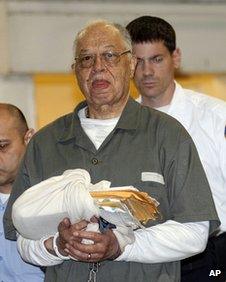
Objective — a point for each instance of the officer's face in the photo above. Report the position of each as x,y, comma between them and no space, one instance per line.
155,68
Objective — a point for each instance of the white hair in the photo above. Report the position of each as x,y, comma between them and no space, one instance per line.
122,30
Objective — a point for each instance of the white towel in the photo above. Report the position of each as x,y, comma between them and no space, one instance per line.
38,211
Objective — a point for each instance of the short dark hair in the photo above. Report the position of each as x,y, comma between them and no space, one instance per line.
18,115
152,29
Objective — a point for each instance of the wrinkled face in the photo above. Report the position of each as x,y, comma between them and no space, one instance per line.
103,83
155,68
12,148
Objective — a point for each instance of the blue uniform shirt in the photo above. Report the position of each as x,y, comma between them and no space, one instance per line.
12,267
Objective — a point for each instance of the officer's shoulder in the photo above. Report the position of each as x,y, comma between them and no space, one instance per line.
204,102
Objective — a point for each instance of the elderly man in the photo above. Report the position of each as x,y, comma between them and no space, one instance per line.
14,136
114,138
154,44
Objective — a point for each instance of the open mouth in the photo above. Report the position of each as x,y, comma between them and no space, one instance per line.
100,84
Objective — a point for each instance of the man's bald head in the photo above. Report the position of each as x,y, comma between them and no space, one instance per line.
17,115
14,136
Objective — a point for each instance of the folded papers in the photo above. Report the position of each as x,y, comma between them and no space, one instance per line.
141,206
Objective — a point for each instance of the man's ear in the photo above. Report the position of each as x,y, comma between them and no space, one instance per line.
28,135
176,57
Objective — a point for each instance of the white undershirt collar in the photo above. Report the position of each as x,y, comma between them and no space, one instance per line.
96,129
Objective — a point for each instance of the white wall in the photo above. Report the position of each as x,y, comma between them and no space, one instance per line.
18,90
41,33
4,40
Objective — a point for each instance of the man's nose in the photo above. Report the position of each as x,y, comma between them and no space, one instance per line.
148,68
98,63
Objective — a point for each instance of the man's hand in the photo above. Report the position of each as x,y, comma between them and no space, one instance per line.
105,246
66,229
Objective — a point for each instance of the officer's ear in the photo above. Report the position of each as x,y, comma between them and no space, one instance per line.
28,135
176,55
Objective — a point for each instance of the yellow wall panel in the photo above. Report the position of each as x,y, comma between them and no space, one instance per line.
58,94
55,95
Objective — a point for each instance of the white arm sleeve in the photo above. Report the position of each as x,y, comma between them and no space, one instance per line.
35,252
222,152
169,241
164,242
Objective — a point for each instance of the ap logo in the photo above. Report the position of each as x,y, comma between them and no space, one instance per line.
214,272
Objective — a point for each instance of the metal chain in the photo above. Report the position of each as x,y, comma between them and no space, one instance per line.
93,269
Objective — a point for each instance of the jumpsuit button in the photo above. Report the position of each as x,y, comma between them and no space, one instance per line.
95,161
